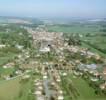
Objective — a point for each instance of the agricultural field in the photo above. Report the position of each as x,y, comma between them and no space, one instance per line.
78,89
9,89
6,58
18,88
97,41
74,28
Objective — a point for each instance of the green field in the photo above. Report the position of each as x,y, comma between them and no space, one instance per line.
86,92
9,90
6,59
18,89
74,28
93,49
98,41
79,89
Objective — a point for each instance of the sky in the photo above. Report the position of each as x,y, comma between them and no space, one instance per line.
53,8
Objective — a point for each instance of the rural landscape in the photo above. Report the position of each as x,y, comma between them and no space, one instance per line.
52,58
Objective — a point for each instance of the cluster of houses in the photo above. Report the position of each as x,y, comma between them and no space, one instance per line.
94,75
83,51
49,87
2,46
46,41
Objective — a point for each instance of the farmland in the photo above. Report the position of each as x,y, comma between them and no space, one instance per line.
17,88
79,89
74,28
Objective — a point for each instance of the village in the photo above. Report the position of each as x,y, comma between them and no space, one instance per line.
52,49
56,62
